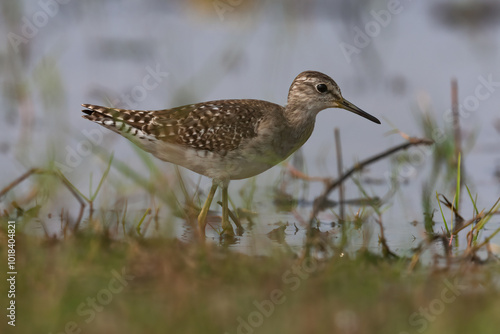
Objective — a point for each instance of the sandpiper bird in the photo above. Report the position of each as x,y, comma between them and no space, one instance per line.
228,139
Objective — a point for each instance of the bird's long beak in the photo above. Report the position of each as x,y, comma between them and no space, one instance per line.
344,104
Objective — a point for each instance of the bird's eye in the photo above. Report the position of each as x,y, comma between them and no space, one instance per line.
321,88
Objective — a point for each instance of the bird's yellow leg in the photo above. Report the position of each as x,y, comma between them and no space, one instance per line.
202,217
226,225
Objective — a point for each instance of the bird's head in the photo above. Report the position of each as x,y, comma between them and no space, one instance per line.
313,91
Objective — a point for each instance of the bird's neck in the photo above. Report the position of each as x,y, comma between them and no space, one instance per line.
300,123
299,117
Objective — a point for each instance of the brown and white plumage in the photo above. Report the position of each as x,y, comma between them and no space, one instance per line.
216,139
228,139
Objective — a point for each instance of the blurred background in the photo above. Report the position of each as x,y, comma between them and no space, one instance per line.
394,59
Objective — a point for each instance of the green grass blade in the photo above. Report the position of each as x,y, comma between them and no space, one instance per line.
61,175
442,214
487,217
474,201
138,228
106,172
488,239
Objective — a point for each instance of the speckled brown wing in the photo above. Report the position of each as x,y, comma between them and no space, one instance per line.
213,126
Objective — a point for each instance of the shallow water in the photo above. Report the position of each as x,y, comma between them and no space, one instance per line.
95,53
